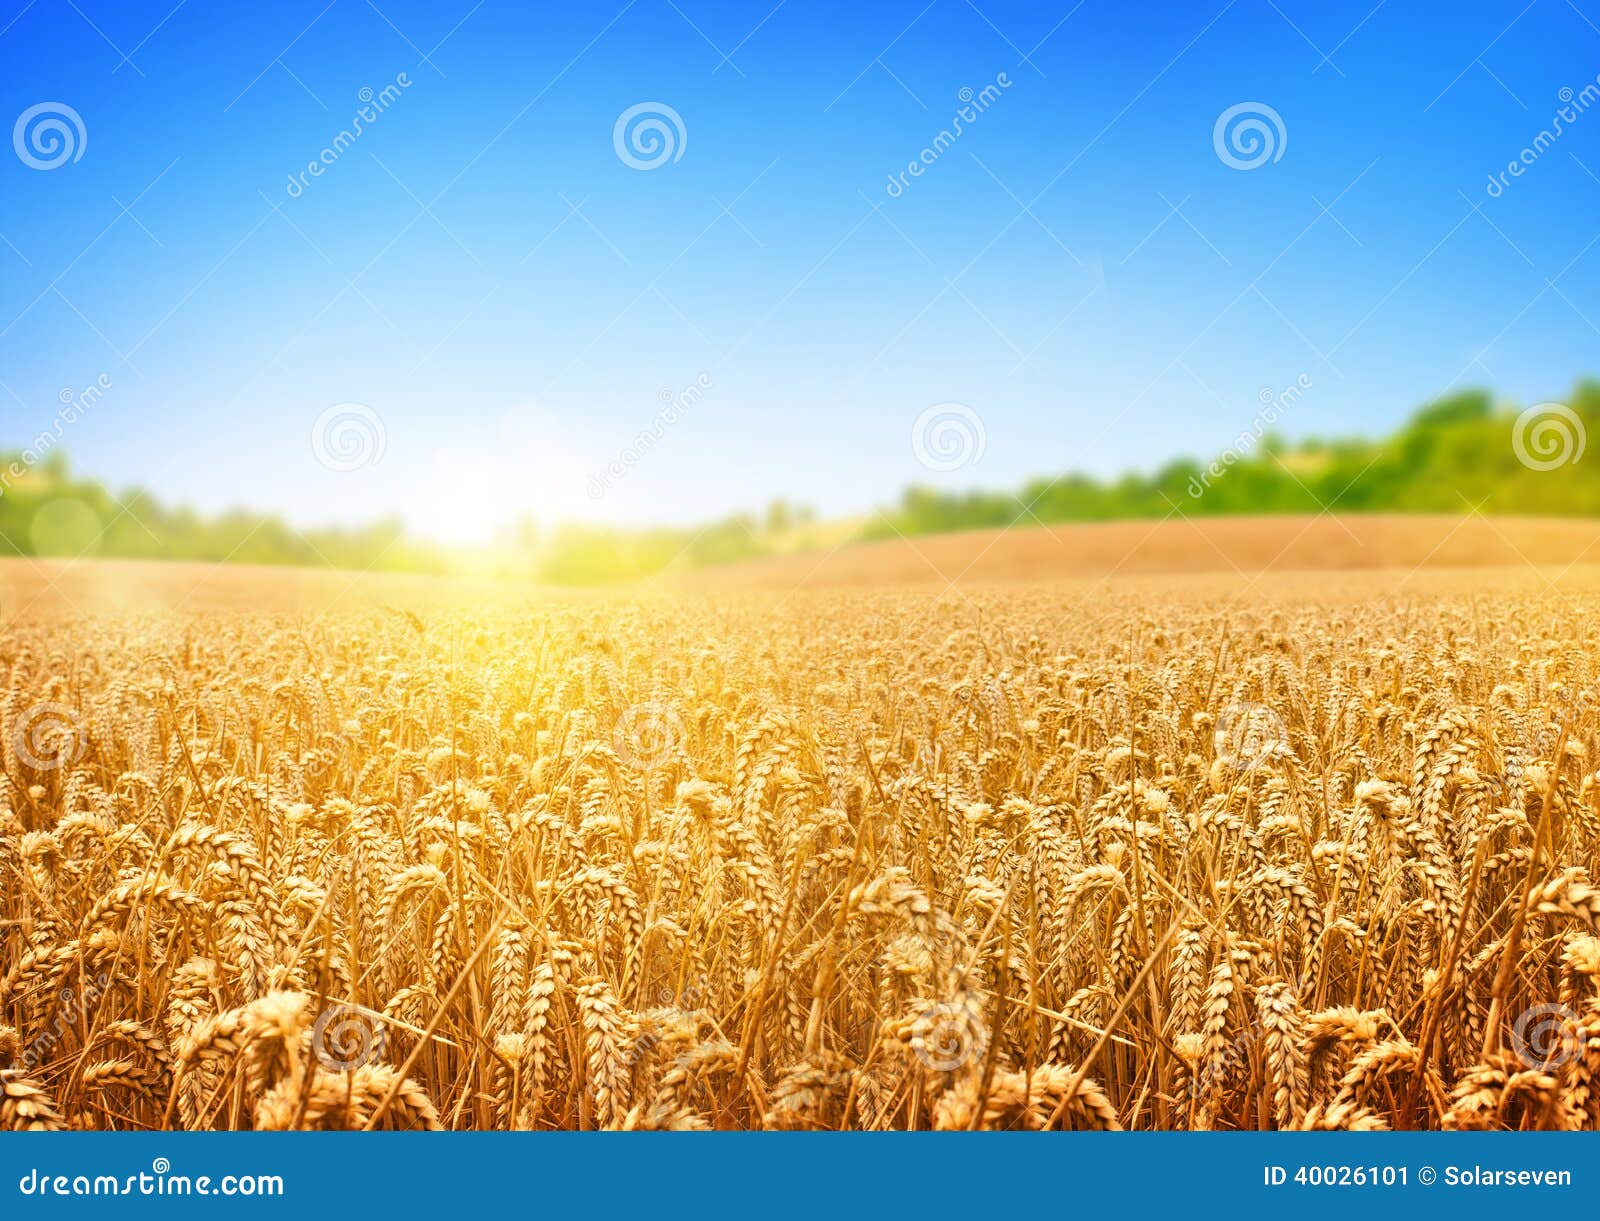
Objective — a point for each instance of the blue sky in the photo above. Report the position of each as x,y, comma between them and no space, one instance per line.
513,301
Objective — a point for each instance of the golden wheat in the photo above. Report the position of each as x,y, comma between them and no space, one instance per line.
1028,859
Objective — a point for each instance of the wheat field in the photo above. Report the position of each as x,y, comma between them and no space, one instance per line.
1146,855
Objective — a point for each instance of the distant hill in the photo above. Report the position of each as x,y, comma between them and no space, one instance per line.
1320,551
1458,454
45,510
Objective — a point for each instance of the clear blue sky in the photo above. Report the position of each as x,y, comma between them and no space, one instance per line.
483,271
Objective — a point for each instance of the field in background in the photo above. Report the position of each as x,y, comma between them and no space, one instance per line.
50,587
1233,545
1298,849
1376,552
1457,454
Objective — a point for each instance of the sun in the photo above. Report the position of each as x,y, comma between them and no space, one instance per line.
475,492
